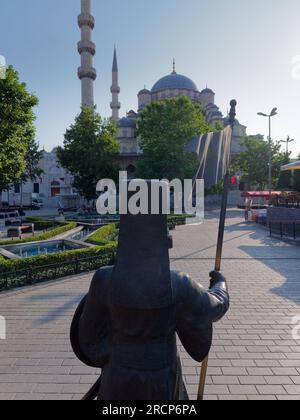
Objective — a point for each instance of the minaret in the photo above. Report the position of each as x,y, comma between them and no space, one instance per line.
87,49
115,89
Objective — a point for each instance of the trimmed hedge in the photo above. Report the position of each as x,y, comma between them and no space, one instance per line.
42,224
106,235
109,233
59,257
61,228
17,273
22,272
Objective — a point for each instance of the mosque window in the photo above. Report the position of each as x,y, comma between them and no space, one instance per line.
36,188
17,188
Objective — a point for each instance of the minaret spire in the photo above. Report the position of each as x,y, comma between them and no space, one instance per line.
87,49
115,89
174,66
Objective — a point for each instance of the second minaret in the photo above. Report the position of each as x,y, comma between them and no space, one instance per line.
115,89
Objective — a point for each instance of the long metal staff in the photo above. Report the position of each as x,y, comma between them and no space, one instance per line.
218,260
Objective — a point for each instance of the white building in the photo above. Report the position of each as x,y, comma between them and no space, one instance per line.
53,186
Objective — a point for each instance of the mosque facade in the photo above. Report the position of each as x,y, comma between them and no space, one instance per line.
170,86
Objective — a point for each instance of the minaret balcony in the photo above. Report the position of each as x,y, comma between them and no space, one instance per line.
86,19
87,72
115,89
114,105
86,46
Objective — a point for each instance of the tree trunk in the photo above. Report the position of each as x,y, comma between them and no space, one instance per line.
21,198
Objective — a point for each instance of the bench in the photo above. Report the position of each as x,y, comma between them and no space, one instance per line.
18,231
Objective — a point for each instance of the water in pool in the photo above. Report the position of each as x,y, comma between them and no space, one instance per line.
82,235
33,250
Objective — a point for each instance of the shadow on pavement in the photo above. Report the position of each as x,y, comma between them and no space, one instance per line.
57,312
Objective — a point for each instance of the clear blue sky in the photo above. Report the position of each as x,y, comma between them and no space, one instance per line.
242,49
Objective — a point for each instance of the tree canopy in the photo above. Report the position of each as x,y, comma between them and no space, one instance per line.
164,129
33,157
254,162
17,130
90,151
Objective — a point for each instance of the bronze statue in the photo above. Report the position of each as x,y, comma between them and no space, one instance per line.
127,323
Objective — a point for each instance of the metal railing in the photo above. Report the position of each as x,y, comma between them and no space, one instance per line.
33,275
285,229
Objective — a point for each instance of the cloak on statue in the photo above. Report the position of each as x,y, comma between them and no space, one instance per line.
127,323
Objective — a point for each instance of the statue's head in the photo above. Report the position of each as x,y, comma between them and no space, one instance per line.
142,276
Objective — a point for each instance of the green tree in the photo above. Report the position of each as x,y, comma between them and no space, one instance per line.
165,128
254,160
17,130
296,178
90,151
33,157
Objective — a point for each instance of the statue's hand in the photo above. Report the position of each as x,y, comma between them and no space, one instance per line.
215,278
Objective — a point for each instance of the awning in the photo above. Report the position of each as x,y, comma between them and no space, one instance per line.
291,166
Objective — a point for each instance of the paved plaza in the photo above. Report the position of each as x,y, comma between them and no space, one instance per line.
254,355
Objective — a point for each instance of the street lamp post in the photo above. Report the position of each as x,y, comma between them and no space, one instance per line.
269,116
287,142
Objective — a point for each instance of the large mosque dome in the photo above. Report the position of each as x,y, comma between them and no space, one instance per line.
174,81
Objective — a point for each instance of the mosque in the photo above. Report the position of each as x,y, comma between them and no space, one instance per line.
170,86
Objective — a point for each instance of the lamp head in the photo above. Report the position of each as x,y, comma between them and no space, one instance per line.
274,112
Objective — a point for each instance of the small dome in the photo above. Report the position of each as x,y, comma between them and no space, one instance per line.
174,81
131,112
127,122
211,106
208,91
144,92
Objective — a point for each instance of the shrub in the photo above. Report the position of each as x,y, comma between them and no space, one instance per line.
109,233
16,273
42,224
106,234
215,189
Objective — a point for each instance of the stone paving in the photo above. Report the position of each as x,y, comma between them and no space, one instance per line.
254,355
